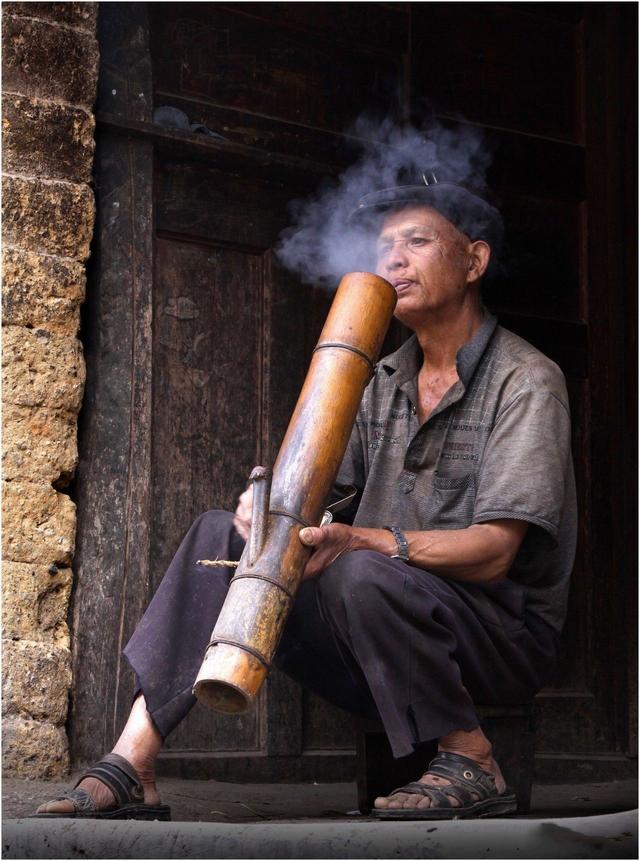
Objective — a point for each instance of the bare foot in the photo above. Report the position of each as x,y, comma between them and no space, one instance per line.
475,746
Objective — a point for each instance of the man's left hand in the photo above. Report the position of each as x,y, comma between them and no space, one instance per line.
329,542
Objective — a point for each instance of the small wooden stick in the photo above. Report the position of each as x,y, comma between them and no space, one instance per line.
217,563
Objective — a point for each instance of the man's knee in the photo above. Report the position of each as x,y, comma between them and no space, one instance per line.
213,519
213,525
358,579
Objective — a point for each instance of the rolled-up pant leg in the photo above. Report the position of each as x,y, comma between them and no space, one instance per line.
370,634
168,644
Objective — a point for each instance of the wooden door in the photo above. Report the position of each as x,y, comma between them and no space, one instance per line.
196,341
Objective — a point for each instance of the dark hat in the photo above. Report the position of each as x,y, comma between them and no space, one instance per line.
471,214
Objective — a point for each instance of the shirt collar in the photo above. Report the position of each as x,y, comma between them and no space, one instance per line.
405,363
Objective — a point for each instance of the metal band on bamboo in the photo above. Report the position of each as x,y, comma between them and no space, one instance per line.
244,648
279,512
352,349
273,582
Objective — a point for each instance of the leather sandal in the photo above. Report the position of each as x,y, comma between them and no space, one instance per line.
471,786
121,778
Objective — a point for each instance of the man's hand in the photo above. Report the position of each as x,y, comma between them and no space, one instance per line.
329,542
244,513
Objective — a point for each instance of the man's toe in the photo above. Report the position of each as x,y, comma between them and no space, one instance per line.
422,802
59,806
392,802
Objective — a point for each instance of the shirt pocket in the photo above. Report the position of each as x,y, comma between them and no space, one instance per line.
452,500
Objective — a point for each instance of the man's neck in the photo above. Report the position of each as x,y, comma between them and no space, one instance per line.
441,336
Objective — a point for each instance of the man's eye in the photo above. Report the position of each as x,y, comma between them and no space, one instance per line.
417,241
383,250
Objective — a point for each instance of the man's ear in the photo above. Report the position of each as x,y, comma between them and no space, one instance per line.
479,256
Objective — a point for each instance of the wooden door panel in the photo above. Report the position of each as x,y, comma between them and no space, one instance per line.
206,422
205,730
542,259
199,201
325,727
233,335
499,66
207,367
301,74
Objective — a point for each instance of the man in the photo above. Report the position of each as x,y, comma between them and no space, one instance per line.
449,587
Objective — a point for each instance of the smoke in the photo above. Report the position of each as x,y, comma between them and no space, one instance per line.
321,244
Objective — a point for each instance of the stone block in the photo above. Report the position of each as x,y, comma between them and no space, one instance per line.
42,292
53,217
82,16
47,61
42,369
35,600
36,678
46,140
39,524
33,749
39,444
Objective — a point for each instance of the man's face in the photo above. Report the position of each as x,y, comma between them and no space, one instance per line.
426,259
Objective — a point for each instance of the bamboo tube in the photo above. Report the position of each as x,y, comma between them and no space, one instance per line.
262,591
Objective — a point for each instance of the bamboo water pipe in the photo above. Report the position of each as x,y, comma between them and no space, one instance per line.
263,588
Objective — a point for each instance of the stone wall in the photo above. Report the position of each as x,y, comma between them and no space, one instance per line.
49,69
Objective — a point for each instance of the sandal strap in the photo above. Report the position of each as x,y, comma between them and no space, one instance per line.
440,796
464,772
119,776
468,782
81,800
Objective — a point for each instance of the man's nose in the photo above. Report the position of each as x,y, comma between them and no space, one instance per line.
397,256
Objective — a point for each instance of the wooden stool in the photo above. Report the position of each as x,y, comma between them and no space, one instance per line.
509,728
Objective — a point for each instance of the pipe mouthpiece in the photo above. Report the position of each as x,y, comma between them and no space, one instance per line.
261,479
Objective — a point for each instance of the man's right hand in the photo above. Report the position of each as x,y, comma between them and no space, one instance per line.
244,513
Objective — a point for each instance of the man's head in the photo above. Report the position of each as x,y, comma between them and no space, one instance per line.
434,242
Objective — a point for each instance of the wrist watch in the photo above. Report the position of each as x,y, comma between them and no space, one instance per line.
401,542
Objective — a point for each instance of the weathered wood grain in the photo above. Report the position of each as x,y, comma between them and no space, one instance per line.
552,86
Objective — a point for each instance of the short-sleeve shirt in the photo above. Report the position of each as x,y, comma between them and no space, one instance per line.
498,445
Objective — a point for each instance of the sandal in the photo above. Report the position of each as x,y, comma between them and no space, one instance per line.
472,786
121,778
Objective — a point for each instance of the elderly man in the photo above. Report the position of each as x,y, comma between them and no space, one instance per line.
450,584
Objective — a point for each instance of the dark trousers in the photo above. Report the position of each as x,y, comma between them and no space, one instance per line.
371,634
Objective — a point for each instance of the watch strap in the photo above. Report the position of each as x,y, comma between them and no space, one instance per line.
401,543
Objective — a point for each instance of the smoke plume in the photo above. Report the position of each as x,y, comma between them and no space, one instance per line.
321,244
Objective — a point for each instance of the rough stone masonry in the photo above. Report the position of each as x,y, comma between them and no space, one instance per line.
49,79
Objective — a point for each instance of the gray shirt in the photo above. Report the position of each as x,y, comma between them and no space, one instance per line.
498,445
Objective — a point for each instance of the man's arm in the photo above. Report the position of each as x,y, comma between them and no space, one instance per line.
482,553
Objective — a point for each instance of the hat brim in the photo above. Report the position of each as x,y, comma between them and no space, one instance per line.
472,215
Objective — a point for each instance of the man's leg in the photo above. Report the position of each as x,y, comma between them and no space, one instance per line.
166,649
370,634
426,655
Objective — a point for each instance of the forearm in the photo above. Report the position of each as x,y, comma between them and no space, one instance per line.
480,553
